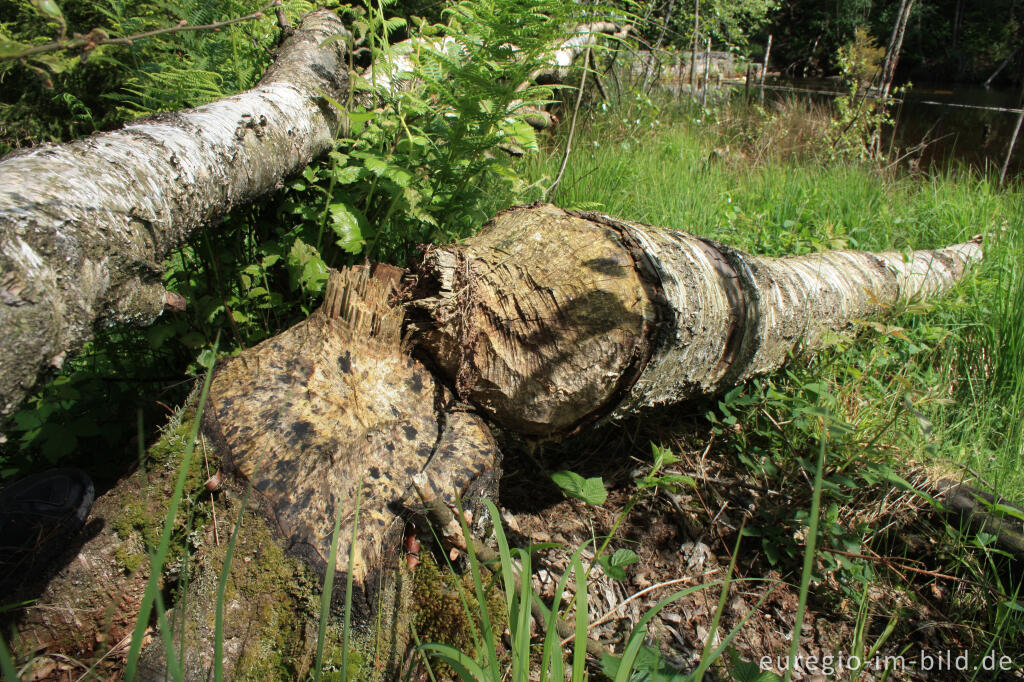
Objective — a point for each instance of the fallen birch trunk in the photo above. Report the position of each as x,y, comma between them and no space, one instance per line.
549,320
84,226
544,322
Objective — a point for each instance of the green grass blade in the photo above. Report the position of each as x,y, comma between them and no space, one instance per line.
717,653
521,634
158,559
222,585
636,637
706,657
464,666
486,628
812,537
6,662
348,582
508,575
174,666
551,653
325,595
579,642
419,649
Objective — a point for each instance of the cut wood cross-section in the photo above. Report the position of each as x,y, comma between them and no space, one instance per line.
544,322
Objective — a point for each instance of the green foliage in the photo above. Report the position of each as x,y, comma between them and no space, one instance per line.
58,95
590,490
937,384
731,24
857,128
425,167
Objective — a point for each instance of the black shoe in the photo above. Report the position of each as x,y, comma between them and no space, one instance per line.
39,515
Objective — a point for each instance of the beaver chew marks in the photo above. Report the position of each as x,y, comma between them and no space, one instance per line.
539,318
335,400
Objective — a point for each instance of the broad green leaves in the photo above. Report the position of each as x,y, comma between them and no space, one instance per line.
614,565
590,490
348,223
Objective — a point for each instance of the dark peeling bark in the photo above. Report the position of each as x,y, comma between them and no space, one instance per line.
84,226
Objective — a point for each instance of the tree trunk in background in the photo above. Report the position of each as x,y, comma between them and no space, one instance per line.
764,68
84,226
892,52
693,52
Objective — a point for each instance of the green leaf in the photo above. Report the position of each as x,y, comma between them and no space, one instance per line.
590,490
158,334
54,62
346,175
374,164
307,268
649,665
193,340
207,358
348,223
614,565
58,443
398,175
624,557
745,671
49,9
362,116
10,48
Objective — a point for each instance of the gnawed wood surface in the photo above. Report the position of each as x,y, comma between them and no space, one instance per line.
545,321
550,319
337,402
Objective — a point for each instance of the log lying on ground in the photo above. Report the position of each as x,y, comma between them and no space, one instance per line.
549,319
545,321
84,226
335,403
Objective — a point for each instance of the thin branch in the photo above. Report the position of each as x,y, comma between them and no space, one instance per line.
97,37
572,127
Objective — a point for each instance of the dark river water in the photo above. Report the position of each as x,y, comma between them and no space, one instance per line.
936,125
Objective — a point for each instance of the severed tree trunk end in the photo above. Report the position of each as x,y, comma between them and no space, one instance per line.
334,404
550,319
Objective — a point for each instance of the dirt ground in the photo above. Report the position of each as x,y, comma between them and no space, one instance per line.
686,538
